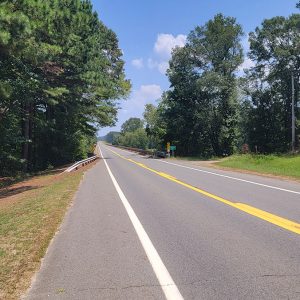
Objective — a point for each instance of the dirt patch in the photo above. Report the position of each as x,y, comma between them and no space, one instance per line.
15,191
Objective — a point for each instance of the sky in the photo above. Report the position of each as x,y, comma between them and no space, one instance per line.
148,30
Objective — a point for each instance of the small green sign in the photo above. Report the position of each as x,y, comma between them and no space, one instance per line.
172,148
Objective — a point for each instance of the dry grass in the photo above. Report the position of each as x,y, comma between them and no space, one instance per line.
30,213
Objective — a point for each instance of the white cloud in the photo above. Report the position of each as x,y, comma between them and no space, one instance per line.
138,63
161,66
166,42
134,106
245,43
152,64
247,64
163,46
146,94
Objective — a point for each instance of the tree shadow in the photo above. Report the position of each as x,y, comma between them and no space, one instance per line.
51,172
15,191
6,182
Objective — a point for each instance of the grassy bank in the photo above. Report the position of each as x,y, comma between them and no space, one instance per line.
285,165
29,217
195,158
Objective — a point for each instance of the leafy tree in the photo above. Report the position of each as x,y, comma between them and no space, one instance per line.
131,125
136,139
133,134
201,107
275,49
112,137
155,125
61,69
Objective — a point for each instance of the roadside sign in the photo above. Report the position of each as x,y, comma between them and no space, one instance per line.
168,147
172,148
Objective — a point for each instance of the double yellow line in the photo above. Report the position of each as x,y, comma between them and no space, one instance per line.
261,214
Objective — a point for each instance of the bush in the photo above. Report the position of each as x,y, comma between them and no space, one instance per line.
135,139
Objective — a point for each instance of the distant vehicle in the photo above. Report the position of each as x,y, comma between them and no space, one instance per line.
161,154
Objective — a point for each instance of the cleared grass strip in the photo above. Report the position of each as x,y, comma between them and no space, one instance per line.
285,165
28,221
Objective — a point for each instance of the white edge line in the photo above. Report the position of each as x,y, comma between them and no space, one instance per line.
226,176
234,178
167,284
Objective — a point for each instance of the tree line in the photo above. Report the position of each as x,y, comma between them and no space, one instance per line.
61,72
211,109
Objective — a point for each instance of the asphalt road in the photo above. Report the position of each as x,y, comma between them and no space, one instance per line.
143,228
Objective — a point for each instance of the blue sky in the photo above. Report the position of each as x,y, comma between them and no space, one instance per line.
148,29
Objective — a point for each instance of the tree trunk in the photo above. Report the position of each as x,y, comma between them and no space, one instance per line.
27,129
33,137
30,137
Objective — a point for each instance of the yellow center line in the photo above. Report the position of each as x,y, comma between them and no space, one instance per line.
266,216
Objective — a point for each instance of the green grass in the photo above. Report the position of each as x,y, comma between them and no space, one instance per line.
284,165
27,225
195,158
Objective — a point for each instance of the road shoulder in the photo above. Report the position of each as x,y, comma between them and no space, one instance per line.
213,165
96,254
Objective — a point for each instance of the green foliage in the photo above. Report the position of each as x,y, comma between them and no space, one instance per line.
136,139
155,125
268,86
131,125
61,70
201,108
133,134
112,137
287,165
209,112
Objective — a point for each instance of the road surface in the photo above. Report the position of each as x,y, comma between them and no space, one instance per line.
144,228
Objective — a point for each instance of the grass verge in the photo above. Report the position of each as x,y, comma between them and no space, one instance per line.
282,165
195,158
28,221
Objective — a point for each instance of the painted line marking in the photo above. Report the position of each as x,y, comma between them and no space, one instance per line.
167,284
225,176
261,214
234,178
127,151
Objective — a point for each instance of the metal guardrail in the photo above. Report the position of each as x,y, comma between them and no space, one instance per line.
153,153
81,163
140,151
